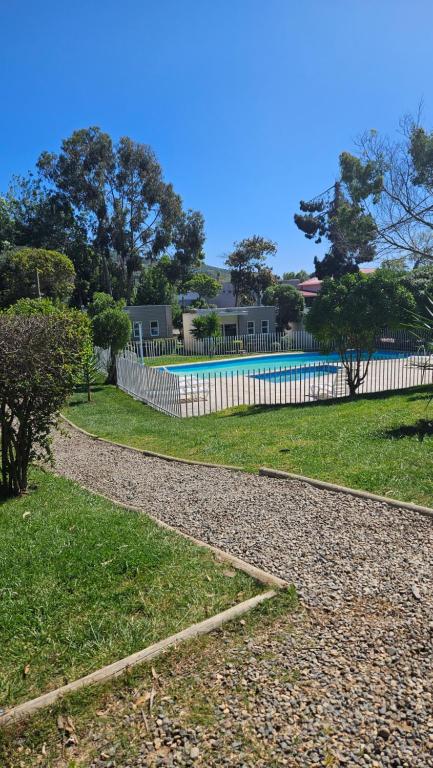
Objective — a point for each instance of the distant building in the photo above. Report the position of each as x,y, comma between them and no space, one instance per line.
225,298
235,321
311,287
151,321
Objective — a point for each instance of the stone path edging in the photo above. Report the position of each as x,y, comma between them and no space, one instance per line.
281,475
117,668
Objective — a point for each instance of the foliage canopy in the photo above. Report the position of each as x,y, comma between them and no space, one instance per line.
351,312
41,359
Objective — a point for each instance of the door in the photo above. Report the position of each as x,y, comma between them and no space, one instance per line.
230,329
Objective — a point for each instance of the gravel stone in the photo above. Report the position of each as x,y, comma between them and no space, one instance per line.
352,683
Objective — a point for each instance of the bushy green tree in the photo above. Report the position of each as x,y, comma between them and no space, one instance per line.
41,357
111,328
154,287
349,314
101,301
205,285
44,218
30,272
288,301
301,275
420,282
34,307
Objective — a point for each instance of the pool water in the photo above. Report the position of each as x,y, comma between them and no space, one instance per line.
272,362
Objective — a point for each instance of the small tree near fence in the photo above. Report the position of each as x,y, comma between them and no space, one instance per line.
206,326
111,328
350,313
41,359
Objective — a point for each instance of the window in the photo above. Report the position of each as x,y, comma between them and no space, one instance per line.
230,329
136,328
251,327
265,326
154,328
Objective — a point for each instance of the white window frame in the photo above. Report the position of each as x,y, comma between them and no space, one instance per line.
253,323
136,330
266,324
152,334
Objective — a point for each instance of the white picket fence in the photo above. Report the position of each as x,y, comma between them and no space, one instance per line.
224,345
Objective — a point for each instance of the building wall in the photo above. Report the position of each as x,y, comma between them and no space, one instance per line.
226,297
239,316
148,313
256,315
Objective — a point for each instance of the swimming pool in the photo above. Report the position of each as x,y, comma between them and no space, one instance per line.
254,365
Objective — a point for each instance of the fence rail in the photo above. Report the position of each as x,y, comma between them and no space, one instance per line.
148,384
197,394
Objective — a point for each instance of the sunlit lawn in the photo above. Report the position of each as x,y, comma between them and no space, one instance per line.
84,583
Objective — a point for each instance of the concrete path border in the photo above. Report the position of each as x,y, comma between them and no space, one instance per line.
145,452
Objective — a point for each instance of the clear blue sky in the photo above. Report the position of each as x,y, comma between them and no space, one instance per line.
247,103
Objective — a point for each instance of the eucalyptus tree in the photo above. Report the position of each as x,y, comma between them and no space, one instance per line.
133,215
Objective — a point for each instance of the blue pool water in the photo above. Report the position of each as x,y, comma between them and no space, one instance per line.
254,365
296,374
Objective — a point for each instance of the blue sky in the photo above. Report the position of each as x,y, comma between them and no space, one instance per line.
247,103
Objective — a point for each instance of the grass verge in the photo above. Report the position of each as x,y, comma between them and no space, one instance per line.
84,583
380,444
123,715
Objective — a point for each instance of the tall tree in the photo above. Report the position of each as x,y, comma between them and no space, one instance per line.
248,271
154,286
394,177
45,218
7,224
186,251
205,285
131,211
288,301
342,221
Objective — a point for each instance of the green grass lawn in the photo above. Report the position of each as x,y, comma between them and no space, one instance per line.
84,583
381,444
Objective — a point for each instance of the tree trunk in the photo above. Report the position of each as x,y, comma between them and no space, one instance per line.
112,373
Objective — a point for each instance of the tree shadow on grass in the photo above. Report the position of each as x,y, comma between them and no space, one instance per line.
423,396
421,393
421,429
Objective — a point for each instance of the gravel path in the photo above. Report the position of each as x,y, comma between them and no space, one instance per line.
365,570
